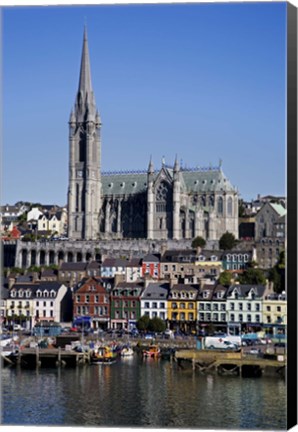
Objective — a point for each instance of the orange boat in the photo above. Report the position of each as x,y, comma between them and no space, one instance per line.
153,352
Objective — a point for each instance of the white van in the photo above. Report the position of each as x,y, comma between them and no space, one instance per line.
218,342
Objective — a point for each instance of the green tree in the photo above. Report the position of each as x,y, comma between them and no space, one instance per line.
143,322
227,241
156,325
241,208
277,274
252,276
225,278
198,242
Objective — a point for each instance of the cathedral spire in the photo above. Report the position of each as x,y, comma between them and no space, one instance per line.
85,85
176,165
85,101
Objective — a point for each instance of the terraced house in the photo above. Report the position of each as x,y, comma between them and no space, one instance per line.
244,307
126,304
182,307
91,298
154,300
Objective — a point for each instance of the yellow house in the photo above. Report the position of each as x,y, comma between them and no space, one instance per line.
275,312
182,307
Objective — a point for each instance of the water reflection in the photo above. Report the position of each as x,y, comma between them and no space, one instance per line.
140,393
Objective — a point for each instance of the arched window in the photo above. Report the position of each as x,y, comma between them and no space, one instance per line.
230,206
220,205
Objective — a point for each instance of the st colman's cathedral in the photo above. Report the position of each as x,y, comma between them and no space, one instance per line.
165,203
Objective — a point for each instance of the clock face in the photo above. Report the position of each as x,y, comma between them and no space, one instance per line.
80,173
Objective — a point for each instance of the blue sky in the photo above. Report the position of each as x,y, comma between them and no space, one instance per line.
203,81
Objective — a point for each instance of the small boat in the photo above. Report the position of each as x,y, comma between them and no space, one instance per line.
126,352
104,355
153,352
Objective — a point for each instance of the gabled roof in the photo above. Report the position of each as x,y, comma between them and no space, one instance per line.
185,287
151,258
243,290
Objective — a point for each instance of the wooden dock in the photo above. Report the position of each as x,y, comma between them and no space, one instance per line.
231,363
36,357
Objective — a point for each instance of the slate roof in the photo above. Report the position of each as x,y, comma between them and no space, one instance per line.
114,262
156,291
71,266
151,258
195,180
244,290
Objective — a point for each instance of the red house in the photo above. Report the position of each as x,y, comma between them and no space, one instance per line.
151,266
92,300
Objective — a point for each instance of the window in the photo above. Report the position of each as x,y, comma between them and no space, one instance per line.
208,306
248,306
154,305
278,308
248,318
232,306
162,305
96,299
220,205
257,318
190,306
240,317
78,298
215,317
241,306
222,316
190,316
182,305
257,307
215,306
44,304
201,306
87,298
232,317
268,308
222,307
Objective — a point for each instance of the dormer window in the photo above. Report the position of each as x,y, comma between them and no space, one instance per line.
38,293
205,294
13,293
201,258
52,293
28,293
228,257
213,258
219,294
21,293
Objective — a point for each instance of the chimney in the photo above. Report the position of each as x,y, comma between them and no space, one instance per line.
11,282
173,281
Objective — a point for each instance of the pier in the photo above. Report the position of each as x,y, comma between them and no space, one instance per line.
36,357
231,363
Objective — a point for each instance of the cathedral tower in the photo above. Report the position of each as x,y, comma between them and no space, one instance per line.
84,192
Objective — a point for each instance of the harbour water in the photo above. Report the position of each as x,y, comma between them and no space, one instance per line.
140,393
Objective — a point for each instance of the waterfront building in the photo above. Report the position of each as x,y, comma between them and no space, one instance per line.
3,298
39,301
274,311
182,307
171,202
154,300
244,307
92,299
126,304
212,307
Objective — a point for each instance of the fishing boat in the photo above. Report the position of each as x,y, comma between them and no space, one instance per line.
153,351
126,352
104,355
